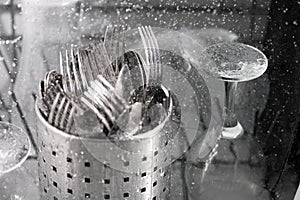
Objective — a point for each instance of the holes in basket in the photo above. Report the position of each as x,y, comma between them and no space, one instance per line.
87,180
54,184
55,198
106,181
155,183
126,179
54,168
53,153
126,163
44,160
45,176
69,160
69,175
143,190
126,194
45,191
106,196
70,191
144,158
164,189
87,164
155,153
144,174
154,198
155,169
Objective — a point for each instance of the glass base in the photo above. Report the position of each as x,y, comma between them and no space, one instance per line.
236,171
232,132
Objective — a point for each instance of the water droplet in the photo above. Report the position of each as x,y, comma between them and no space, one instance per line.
295,22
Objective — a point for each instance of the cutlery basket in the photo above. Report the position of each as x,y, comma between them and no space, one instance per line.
72,167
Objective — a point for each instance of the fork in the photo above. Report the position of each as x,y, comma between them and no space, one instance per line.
154,70
82,67
62,112
114,41
42,104
61,108
51,82
74,73
95,61
52,78
107,105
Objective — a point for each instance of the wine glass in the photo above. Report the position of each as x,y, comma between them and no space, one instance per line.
236,167
14,150
233,63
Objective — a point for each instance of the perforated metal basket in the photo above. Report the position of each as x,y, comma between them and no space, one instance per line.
72,167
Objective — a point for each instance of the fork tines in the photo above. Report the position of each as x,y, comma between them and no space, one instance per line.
51,92
152,55
62,112
95,61
47,91
53,78
73,72
101,98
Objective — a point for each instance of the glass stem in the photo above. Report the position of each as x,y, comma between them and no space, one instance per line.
230,91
